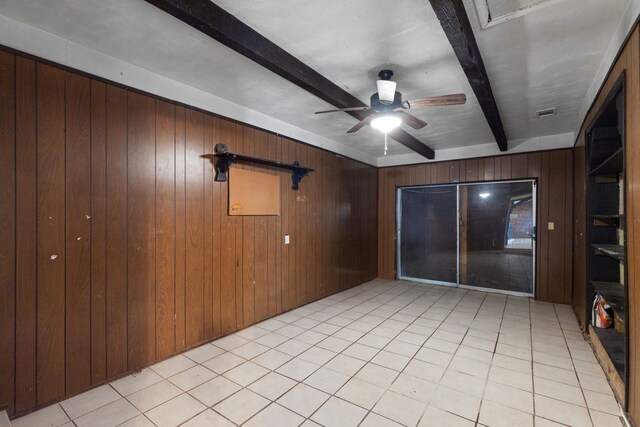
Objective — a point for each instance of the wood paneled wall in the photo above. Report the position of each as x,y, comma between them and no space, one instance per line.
116,249
628,61
553,171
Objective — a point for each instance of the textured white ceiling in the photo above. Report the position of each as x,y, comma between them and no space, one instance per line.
547,58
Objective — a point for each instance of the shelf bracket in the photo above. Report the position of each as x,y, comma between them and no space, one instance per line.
225,159
222,168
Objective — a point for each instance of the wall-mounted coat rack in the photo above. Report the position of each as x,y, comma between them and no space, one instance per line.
226,159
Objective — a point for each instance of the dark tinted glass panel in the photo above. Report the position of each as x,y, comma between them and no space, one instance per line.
496,236
428,239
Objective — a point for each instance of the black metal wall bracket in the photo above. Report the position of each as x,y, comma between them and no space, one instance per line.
226,159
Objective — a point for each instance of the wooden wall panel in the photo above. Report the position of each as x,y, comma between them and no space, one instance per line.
26,219
7,227
227,248
98,232
116,247
505,167
117,220
208,298
180,239
579,293
261,243
555,239
194,184
165,212
141,220
51,236
540,165
78,233
628,61
632,159
217,213
568,226
553,172
248,245
237,233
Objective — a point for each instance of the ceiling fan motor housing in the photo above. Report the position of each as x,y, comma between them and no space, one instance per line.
380,106
385,74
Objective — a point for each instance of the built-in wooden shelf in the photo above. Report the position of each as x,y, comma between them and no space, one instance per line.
612,165
605,205
613,251
613,293
612,220
613,343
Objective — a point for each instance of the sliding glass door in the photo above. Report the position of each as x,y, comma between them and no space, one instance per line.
470,235
428,234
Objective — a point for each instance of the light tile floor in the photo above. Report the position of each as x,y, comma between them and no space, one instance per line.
385,353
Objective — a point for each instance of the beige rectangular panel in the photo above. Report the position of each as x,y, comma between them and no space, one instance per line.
253,193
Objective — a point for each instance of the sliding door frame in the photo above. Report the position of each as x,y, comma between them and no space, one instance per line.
457,185
399,236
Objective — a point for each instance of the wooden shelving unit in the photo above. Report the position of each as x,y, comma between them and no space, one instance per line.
606,263
610,165
612,292
613,251
611,220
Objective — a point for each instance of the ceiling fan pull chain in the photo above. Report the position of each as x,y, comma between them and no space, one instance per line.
385,143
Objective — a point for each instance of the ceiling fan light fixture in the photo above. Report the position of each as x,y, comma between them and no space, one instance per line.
386,91
386,123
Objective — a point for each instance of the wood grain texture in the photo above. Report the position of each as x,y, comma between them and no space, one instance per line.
141,220
78,233
165,212
26,249
51,236
208,236
180,240
568,225
194,184
217,241
159,266
261,258
248,245
579,279
98,232
7,229
238,255
227,250
552,246
556,239
117,221
541,163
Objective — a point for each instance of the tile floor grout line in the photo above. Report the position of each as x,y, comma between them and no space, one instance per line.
370,306
574,367
493,353
302,382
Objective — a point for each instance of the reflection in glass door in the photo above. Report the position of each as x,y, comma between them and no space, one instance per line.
428,241
470,235
496,236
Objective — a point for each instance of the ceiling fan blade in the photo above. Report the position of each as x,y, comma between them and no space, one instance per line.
361,123
412,121
343,109
436,101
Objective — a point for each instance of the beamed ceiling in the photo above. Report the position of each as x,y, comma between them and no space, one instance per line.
545,58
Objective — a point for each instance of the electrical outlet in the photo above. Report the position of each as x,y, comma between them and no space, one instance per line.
551,226
286,239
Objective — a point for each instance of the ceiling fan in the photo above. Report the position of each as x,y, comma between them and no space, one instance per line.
388,107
